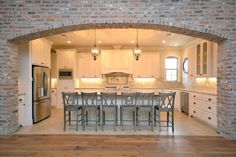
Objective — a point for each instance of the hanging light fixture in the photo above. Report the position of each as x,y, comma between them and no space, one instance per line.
137,50
95,51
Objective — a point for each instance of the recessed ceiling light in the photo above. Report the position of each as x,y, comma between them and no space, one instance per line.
63,35
99,41
176,45
163,41
68,42
132,41
168,35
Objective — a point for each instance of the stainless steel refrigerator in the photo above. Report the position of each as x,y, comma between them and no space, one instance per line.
41,93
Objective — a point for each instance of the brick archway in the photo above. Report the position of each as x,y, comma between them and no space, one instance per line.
30,22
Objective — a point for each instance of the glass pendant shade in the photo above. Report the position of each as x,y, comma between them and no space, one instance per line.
137,53
137,50
95,52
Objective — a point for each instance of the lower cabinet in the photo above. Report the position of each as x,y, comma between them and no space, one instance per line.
203,107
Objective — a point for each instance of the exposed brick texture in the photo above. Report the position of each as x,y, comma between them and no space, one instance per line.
215,20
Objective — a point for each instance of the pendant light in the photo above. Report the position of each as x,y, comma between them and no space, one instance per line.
137,50
95,51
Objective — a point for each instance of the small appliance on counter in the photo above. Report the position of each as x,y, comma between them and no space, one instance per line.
41,93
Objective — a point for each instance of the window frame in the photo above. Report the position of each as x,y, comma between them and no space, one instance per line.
177,69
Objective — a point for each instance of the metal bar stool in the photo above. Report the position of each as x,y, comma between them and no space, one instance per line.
145,104
89,102
166,104
109,104
71,104
128,103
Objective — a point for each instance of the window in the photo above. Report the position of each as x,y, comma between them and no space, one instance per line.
171,66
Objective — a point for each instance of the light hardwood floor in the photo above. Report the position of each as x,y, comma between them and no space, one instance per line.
115,146
184,125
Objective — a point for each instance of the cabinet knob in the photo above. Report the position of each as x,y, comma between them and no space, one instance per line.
42,63
20,99
209,99
23,104
209,118
209,107
194,96
194,103
194,111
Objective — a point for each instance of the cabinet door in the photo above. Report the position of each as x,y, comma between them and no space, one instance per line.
46,53
66,58
36,50
204,58
87,67
139,69
198,59
192,61
40,51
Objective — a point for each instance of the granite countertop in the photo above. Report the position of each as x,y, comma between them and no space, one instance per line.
155,90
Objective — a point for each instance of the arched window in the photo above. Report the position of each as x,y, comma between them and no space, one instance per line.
171,68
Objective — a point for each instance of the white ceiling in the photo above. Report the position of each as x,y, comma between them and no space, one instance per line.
123,37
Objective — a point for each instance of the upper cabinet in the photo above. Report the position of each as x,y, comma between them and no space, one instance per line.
147,65
191,61
66,59
117,61
40,52
87,67
202,59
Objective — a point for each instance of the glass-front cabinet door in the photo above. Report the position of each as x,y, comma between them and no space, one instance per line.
198,59
204,58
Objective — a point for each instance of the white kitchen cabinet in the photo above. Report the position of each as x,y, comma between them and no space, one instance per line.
40,52
87,67
66,58
203,107
21,110
117,61
204,59
191,61
54,98
147,65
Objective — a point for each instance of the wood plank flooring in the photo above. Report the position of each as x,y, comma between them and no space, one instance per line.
112,146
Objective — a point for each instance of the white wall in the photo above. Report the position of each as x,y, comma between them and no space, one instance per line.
25,80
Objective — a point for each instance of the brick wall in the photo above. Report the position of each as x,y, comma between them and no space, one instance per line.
210,19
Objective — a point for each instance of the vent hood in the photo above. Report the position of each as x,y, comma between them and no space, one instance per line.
117,61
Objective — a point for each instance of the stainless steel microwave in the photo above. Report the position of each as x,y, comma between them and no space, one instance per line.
65,74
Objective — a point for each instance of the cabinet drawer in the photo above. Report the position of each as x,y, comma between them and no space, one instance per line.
194,96
209,98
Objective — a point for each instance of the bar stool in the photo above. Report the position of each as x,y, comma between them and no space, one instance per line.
89,104
71,104
166,104
145,104
109,104
128,103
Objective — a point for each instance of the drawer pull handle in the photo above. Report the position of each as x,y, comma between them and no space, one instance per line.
20,99
209,99
209,118
194,111
209,107
194,103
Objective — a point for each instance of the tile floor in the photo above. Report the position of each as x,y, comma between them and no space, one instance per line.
184,125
